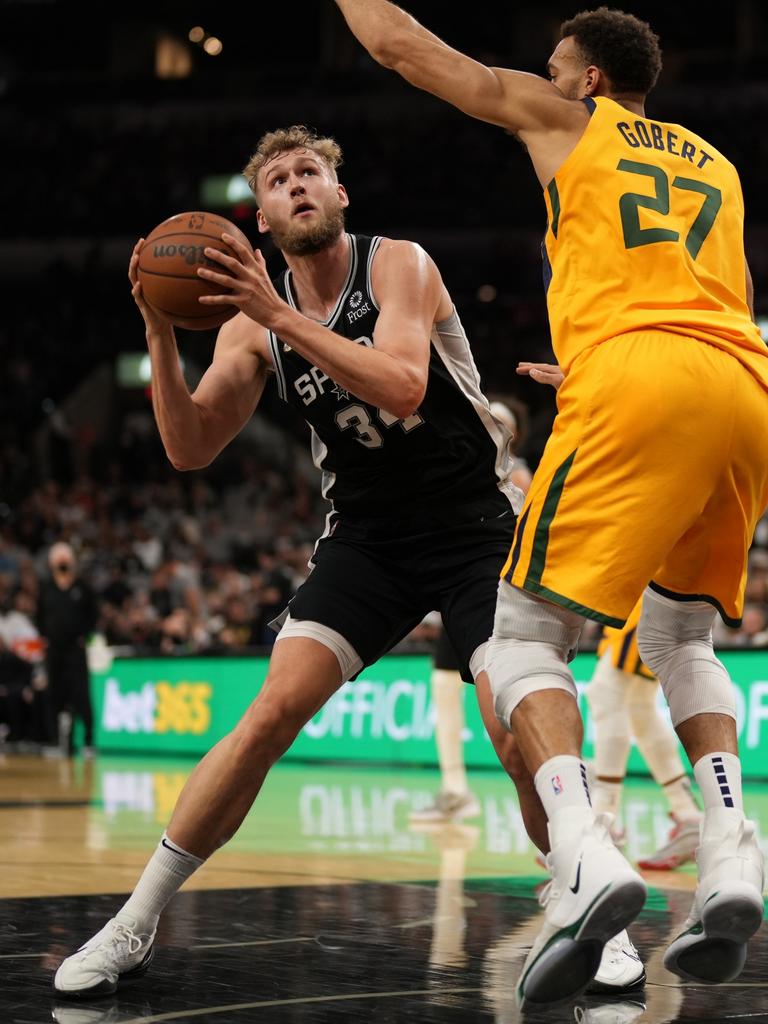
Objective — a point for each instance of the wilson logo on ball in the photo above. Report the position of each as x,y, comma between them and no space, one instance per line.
190,253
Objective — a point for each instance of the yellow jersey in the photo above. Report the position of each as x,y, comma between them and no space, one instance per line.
622,644
645,232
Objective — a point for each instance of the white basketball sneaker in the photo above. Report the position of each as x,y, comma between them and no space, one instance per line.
595,893
621,969
728,906
116,952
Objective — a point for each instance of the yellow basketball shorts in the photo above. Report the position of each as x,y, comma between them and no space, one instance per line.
656,472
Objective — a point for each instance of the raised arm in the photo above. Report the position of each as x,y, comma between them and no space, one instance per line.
520,102
195,427
409,290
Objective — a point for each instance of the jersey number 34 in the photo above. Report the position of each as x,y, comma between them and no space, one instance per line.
356,417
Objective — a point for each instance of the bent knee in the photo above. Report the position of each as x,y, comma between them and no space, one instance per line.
518,668
269,727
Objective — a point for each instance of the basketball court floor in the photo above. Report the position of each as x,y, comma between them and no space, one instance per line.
327,905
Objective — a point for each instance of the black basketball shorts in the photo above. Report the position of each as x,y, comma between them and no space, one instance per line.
445,656
374,580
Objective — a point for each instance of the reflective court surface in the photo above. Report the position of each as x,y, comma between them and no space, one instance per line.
327,905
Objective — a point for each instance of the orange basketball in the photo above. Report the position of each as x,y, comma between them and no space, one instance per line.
168,264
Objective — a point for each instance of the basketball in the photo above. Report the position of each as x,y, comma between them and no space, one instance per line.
168,264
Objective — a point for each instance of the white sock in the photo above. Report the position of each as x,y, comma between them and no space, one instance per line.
606,796
562,782
719,779
168,869
680,799
448,695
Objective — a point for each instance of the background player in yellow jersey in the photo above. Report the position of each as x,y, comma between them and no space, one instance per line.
651,481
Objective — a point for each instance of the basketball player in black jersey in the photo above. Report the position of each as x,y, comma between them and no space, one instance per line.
362,337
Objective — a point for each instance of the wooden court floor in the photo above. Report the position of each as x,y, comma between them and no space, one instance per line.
327,905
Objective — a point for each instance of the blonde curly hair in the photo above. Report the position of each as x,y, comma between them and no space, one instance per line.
298,136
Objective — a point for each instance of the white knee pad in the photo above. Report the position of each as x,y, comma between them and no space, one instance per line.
477,661
675,642
607,698
348,658
530,648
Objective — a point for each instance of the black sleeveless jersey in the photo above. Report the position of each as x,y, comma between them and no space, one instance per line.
450,452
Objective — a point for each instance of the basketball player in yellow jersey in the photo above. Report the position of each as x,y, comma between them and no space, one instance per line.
652,480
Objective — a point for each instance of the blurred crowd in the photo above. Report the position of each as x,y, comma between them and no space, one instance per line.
175,564
181,565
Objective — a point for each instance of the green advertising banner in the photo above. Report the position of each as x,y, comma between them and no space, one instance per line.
184,705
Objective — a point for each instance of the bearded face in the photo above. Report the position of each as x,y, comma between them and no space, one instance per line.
304,234
301,203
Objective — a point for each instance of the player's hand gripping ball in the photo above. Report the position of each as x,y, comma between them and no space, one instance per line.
168,264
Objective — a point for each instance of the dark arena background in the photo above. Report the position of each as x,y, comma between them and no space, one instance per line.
337,900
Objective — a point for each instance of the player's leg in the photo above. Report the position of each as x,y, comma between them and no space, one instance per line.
468,610
621,969
508,753
598,521
448,695
81,703
60,717
303,674
607,695
657,742
595,891
675,640
705,571
336,626
455,801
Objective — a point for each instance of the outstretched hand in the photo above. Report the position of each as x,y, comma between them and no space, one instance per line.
152,319
543,373
252,290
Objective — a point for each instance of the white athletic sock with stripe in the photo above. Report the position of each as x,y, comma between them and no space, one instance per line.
562,782
168,869
719,779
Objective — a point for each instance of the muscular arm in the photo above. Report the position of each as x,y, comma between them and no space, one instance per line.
393,374
195,427
525,104
409,292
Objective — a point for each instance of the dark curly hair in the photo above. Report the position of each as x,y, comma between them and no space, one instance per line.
621,45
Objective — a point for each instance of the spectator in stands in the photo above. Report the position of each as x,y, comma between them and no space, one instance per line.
67,614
